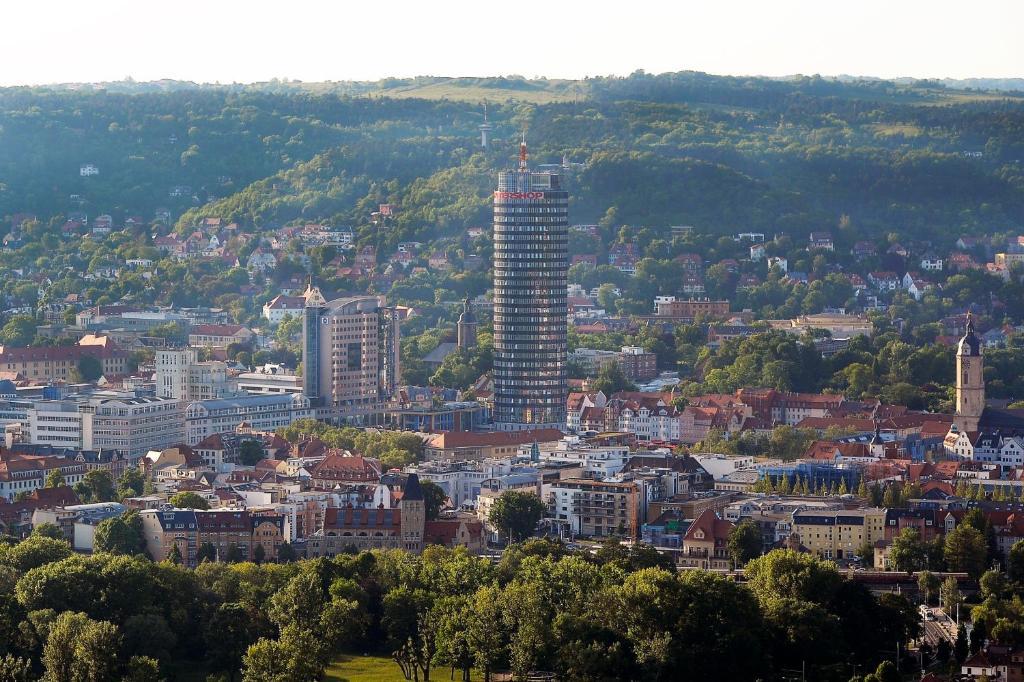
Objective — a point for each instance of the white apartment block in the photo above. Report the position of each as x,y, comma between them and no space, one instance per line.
988,447
180,375
464,482
663,423
597,462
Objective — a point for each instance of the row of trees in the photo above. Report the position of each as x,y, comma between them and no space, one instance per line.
618,614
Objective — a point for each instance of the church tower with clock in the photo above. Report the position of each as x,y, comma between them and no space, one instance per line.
970,381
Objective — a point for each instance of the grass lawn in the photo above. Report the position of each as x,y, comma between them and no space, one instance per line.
378,669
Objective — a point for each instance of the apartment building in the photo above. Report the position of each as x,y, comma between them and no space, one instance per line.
229,531
20,473
634,361
61,362
706,543
179,374
839,534
591,508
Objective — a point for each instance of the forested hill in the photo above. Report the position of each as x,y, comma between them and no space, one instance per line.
723,154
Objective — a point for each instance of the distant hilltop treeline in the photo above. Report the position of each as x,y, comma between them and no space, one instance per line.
724,154
513,82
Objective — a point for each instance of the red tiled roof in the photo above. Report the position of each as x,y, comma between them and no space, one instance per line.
60,496
715,529
286,302
338,467
445,531
212,442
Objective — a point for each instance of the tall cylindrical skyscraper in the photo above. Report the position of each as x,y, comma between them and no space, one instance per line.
531,223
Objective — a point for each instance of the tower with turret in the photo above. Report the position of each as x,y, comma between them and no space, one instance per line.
414,514
970,381
467,325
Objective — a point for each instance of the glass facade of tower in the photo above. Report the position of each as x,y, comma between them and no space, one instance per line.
531,222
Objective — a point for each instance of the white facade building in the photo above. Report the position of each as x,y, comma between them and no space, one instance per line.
262,413
180,375
662,423
131,425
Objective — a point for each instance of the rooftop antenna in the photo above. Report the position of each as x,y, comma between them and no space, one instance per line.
522,153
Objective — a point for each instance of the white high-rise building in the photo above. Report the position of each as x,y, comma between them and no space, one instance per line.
179,374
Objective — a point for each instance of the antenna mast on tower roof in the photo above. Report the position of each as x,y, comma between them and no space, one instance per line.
522,153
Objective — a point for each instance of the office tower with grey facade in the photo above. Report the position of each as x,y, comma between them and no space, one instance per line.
531,222
349,357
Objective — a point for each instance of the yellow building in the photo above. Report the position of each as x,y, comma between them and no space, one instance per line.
839,534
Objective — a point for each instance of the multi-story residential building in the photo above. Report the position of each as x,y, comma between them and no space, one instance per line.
179,374
20,473
658,422
781,407
261,412
839,534
229,532
987,446
218,451
924,521
464,482
591,360
635,362
706,543
531,262
349,356
131,425
591,508
61,362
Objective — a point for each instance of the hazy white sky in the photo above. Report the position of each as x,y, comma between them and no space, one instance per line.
46,41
